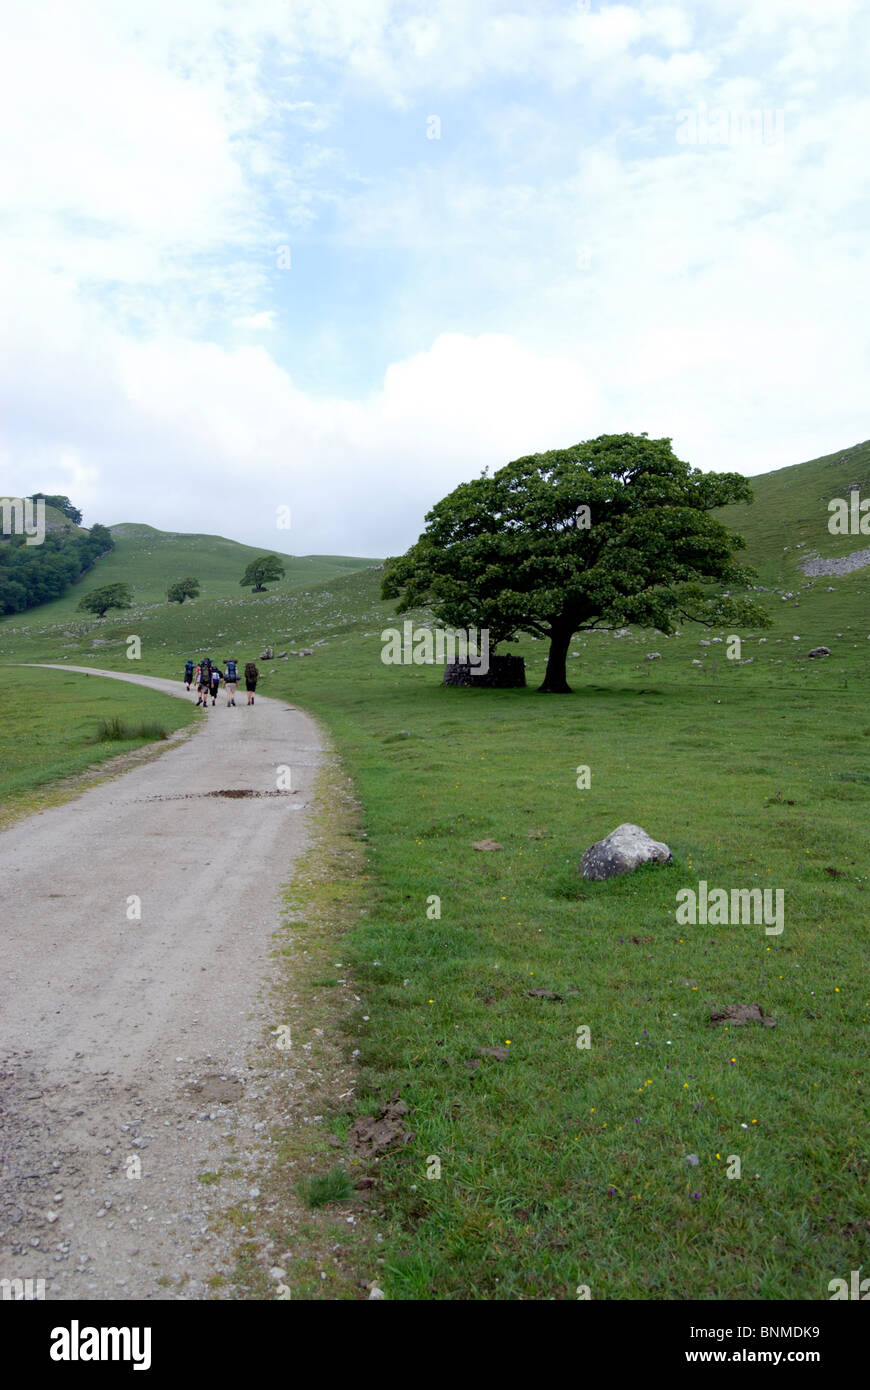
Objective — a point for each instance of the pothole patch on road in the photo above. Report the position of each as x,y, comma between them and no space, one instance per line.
233,792
216,1089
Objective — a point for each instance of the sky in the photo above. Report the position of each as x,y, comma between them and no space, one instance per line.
338,256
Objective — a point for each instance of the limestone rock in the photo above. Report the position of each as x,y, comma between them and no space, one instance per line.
624,849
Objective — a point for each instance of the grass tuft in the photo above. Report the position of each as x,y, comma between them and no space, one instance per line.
117,730
327,1189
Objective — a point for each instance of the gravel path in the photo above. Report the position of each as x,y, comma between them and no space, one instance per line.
126,1043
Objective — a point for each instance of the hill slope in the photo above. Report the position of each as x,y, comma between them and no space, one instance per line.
788,520
326,597
149,560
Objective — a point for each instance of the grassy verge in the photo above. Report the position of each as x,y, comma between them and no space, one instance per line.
58,725
324,1232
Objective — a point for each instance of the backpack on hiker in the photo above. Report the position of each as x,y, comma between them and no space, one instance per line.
231,675
188,670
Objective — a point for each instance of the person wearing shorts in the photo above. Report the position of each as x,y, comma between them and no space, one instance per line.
203,685
252,675
216,676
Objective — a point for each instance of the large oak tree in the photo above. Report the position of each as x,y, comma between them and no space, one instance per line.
616,530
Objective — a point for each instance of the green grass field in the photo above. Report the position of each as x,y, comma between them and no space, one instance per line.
51,730
562,1166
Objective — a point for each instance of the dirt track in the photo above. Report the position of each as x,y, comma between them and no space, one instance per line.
125,1039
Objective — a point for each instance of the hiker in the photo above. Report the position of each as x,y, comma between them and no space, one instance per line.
188,673
203,684
252,675
216,678
231,680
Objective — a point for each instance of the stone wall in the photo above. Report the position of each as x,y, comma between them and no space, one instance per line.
504,672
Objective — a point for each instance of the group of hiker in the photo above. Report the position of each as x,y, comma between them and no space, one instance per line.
206,679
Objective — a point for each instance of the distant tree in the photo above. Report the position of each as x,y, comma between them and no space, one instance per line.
265,570
613,531
101,537
182,589
13,596
61,504
110,596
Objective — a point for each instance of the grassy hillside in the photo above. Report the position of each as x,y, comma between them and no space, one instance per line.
149,560
209,626
561,1167
789,516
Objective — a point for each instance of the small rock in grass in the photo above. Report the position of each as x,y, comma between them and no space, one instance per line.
620,852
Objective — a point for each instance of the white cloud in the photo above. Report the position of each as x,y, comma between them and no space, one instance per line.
153,161
266,319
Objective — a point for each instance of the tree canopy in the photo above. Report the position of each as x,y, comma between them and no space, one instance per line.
35,574
61,504
267,569
613,531
110,596
182,589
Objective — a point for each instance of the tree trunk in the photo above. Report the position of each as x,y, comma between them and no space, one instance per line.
556,677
